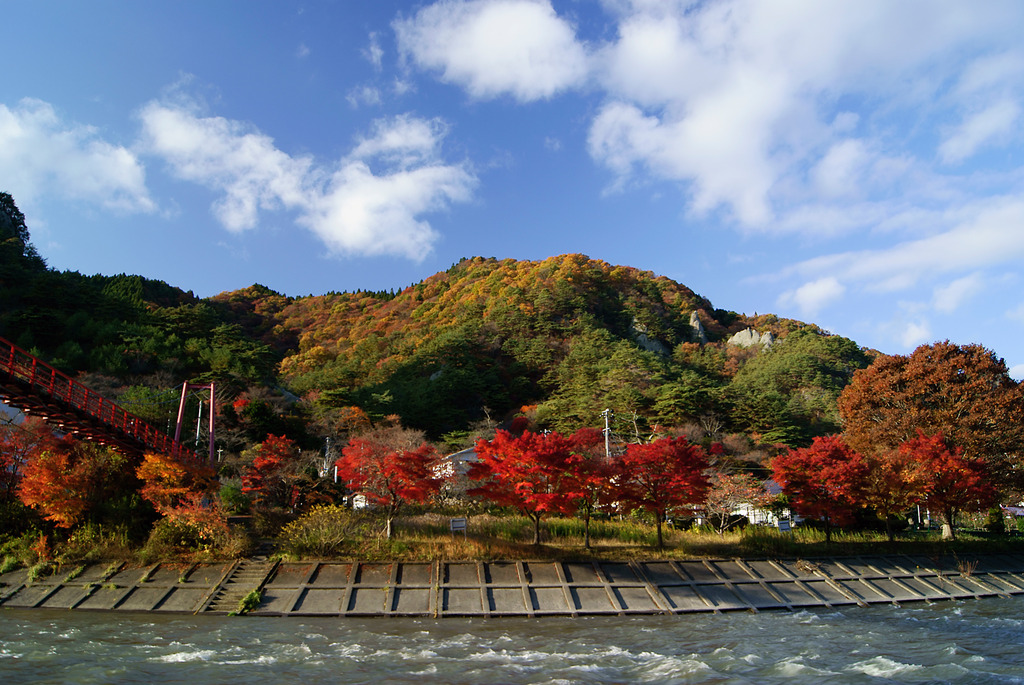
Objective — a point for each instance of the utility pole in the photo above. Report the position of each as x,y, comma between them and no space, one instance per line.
607,414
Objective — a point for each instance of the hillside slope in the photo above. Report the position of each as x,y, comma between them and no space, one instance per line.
557,342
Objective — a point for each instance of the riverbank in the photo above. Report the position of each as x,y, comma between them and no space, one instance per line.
516,588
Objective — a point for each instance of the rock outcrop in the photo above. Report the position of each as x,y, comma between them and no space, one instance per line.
698,329
748,337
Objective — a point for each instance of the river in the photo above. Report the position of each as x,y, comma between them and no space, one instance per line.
973,641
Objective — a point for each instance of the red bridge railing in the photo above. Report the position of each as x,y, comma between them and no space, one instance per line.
38,389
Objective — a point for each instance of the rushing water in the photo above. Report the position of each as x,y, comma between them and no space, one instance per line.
961,642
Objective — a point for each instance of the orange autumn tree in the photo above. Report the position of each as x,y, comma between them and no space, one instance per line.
73,480
390,467
18,445
729,492
963,391
167,482
896,481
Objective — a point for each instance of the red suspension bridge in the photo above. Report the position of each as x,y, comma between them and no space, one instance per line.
37,389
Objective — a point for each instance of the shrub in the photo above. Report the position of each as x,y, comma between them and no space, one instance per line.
93,542
9,564
193,526
248,603
995,523
21,548
324,531
40,570
233,499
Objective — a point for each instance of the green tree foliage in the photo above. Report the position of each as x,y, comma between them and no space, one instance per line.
788,392
572,335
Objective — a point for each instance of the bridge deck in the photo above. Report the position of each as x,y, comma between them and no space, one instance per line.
520,588
36,388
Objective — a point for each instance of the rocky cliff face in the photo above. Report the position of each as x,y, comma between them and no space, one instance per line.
748,337
698,329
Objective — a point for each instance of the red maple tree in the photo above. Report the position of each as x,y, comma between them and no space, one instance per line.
590,472
389,470
954,481
267,478
660,476
529,472
824,480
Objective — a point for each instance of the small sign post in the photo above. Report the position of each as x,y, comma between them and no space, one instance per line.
458,525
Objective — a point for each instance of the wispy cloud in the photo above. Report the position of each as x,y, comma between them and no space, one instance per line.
370,203
988,126
41,154
812,297
374,53
950,297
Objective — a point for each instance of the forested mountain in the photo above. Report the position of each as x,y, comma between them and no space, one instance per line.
556,341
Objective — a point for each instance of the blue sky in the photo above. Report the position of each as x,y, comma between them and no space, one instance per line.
855,164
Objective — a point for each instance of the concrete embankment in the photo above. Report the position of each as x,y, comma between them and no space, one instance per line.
518,588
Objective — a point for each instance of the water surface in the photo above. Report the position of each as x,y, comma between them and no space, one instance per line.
972,641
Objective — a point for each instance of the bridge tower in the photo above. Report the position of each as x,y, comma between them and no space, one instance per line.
185,388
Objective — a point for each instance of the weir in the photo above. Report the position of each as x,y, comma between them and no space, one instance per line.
518,588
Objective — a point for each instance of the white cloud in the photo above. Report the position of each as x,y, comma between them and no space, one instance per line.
1017,372
723,167
353,208
738,98
226,156
363,95
915,333
403,140
362,213
373,53
839,172
42,155
812,297
989,125
990,72
982,235
496,47
1016,314
948,298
